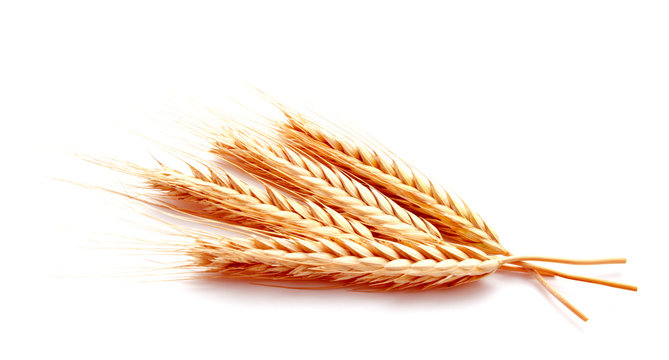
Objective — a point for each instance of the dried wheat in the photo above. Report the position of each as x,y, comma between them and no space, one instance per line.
331,210
224,198
403,184
287,169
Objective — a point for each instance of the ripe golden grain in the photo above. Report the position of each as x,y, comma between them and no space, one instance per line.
335,210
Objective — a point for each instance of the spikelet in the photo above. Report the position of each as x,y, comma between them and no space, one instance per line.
332,209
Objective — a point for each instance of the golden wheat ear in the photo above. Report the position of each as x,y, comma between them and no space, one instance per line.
394,178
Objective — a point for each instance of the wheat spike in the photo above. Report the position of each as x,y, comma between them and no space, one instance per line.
289,259
273,258
404,185
275,214
275,164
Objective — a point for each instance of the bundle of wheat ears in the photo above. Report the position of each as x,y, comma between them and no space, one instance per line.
331,207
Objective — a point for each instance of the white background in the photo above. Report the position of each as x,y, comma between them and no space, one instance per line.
549,118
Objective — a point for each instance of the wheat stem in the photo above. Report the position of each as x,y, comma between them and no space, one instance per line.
560,298
511,259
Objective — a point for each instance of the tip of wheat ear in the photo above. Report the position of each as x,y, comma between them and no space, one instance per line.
331,209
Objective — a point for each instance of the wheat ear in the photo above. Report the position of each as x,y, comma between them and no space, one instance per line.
289,259
403,184
272,258
276,164
224,198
